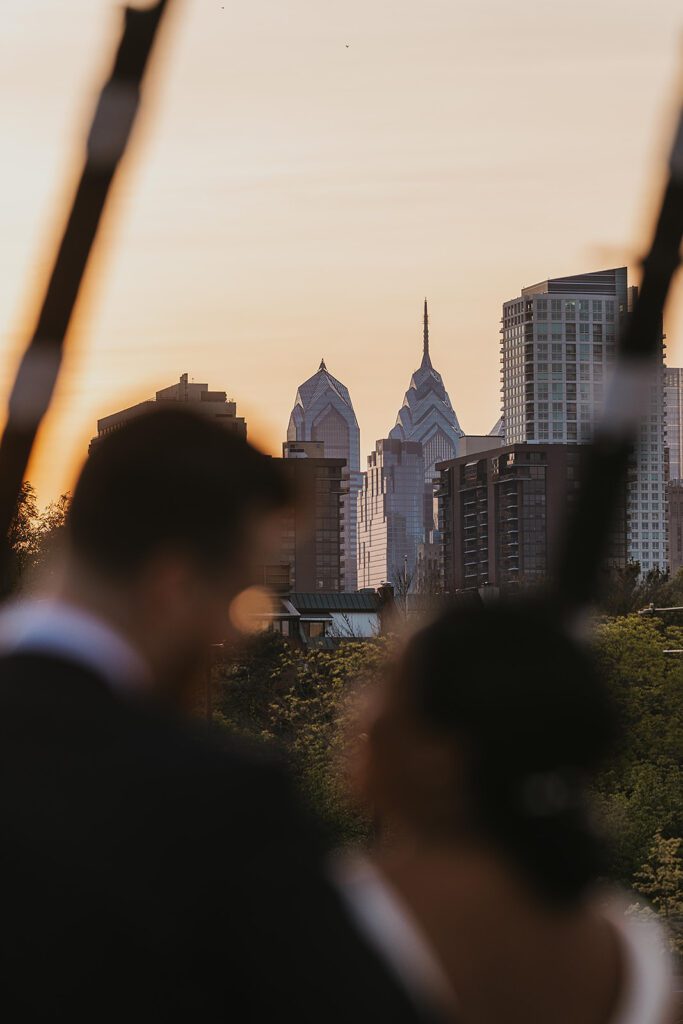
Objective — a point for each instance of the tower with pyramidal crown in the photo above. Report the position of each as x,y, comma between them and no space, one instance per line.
323,412
427,416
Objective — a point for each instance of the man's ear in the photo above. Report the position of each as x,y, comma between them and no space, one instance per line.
167,583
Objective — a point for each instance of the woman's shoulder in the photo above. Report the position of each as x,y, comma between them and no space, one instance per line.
648,991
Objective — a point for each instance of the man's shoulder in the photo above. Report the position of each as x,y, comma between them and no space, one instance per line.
62,702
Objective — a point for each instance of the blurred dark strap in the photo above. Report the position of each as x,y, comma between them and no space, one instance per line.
39,368
606,465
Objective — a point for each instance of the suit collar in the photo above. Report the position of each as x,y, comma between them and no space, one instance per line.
57,629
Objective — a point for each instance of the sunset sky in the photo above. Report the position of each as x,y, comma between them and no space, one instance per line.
290,196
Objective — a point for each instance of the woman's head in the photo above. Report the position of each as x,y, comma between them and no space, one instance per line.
488,728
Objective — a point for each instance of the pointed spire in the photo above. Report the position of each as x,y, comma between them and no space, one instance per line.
425,339
322,365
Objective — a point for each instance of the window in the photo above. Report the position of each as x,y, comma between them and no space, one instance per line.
570,309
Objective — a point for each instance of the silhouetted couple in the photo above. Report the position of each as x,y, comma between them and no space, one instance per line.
146,874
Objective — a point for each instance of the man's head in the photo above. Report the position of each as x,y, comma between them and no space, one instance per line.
170,517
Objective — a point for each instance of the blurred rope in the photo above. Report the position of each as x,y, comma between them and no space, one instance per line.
36,378
638,362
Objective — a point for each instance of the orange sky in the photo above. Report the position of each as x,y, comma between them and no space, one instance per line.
290,197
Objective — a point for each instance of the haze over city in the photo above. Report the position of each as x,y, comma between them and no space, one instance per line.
303,177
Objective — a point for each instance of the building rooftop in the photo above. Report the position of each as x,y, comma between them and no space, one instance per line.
336,602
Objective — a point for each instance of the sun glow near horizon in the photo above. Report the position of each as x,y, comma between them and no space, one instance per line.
290,197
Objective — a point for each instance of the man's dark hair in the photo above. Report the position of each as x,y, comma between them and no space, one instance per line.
170,479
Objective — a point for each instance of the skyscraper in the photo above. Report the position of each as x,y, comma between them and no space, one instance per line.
558,347
390,513
673,391
196,397
503,514
323,412
428,417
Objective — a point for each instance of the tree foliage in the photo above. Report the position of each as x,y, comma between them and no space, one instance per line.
35,536
641,790
660,881
303,700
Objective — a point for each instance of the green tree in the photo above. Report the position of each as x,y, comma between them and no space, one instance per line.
660,880
22,537
304,701
35,537
48,535
641,789
626,590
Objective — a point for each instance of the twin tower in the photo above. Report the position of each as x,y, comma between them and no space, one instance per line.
388,510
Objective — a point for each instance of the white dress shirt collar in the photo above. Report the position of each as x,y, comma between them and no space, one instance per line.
54,627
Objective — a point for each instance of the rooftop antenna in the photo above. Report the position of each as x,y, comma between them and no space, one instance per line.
425,337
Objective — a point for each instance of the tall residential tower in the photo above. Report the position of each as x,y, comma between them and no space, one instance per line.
673,391
558,347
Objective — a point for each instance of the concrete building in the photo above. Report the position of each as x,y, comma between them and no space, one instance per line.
428,417
673,393
558,349
503,512
674,491
391,513
310,546
323,413
197,397
472,444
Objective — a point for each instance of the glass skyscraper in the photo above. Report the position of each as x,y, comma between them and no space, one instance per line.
390,513
558,347
323,412
673,390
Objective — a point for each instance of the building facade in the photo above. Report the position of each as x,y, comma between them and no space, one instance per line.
196,397
674,491
323,413
391,513
309,555
502,515
558,349
673,392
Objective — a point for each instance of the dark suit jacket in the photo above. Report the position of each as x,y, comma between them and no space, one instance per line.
146,875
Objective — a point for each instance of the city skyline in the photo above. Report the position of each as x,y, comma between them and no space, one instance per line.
289,197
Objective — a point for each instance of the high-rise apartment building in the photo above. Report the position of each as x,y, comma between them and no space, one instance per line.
673,393
196,397
674,493
502,515
323,413
428,417
309,555
391,513
558,347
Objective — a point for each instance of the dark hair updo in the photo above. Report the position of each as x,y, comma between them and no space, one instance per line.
525,703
